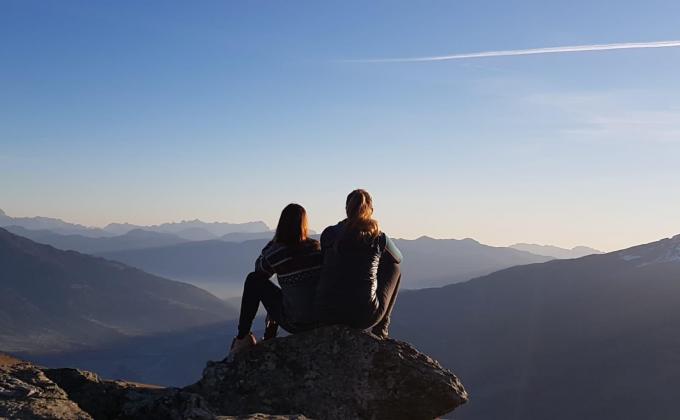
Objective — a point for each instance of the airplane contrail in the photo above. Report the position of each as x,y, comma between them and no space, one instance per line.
530,51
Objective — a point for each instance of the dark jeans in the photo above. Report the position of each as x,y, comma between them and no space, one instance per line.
389,278
258,288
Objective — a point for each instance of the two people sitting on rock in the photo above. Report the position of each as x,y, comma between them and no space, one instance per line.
350,278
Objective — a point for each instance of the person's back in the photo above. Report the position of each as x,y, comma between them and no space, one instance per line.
360,274
297,271
295,259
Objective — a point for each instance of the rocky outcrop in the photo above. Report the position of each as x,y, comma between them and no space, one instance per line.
30,392
332,373
26,393
109,400
329,373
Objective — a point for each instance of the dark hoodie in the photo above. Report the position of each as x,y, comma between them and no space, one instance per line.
346,292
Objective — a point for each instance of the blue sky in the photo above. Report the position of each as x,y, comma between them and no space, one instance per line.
155,111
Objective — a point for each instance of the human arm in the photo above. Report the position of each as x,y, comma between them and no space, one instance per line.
392,250
262,264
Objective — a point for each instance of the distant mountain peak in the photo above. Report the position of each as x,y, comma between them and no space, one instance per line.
190,228
663,251
425,238
555,251
2,213
672,254
137,232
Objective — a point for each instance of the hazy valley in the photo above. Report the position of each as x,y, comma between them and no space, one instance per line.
220,265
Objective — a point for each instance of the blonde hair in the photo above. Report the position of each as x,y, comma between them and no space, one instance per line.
359,207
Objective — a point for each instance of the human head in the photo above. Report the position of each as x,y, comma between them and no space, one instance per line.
359,208
293,225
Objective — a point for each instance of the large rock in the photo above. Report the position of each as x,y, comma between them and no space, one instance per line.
30,392
26,393
332,373
109,400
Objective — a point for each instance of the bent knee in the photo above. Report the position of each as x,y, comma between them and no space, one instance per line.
255,278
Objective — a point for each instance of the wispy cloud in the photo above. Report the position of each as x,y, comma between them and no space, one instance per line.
530,51
619,116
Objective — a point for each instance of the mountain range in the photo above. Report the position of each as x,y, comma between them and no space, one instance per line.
588,338
562,339
195,230
220,267
188,229
165,250
48,223
54,300
134,239
217,266
432,262
556,252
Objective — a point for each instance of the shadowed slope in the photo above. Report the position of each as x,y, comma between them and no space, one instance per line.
588,338
52,299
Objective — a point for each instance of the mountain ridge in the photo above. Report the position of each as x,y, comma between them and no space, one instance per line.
436,262
52,299
134,239
555,251
50,223
217,229
221,266
599,328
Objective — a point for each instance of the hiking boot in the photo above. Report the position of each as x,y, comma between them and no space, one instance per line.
244,343
381,330
271,328
380,333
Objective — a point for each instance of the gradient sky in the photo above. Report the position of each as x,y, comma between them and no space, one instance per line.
153,111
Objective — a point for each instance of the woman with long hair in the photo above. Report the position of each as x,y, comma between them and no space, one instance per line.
360,275
296,260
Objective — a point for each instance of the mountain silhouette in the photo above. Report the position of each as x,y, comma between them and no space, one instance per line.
52,224
555,251
52,299
192,229
247,236
221,266
188,229
597,329
134,239
432,262
563,339
217,266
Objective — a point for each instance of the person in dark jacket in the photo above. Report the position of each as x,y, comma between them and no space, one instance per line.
295,259
360,275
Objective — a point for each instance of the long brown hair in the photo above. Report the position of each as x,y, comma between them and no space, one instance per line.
293,225
359,207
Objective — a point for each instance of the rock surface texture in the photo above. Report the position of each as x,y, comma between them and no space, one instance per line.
26,393
330,373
